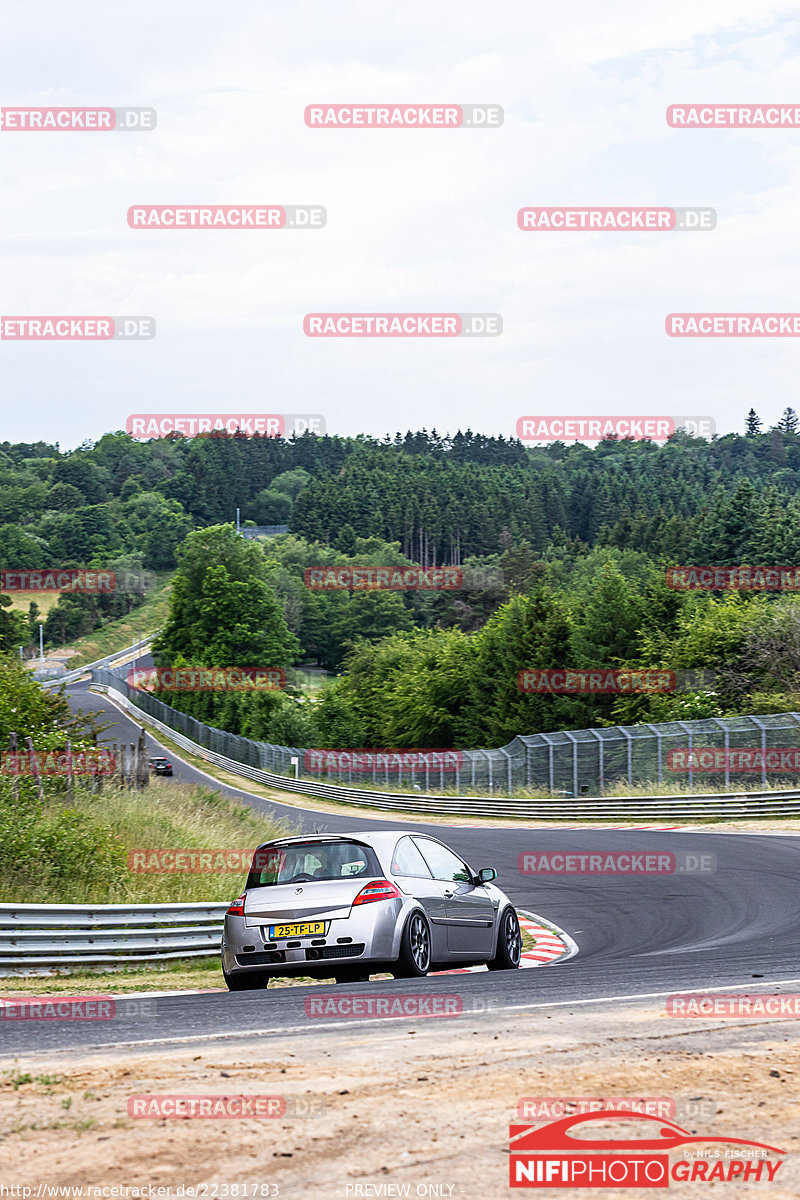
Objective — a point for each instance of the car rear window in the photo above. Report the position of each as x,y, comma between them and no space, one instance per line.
304,862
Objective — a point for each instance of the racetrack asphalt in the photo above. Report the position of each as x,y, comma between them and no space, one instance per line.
736,927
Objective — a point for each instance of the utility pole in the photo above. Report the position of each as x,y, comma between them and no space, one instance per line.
237,520
41,644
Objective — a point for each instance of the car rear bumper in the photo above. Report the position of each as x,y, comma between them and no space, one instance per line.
366,936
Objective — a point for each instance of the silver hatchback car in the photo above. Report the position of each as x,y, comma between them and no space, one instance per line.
348,905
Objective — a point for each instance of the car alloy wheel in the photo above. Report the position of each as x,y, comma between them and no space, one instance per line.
420,943
512,936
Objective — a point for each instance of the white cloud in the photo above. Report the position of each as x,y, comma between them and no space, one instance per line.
416,220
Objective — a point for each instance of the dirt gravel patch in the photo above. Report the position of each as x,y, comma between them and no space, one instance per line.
425,1104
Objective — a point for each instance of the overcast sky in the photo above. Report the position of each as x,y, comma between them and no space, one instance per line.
417,220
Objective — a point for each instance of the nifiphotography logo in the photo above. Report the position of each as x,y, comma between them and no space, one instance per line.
561,1154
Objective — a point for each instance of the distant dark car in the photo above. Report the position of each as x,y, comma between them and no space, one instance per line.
160,766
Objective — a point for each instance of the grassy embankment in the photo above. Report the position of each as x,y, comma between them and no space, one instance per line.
145,619
77,852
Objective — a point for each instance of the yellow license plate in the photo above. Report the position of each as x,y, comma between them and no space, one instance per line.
304,929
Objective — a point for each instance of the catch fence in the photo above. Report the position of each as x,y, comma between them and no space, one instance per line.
567,763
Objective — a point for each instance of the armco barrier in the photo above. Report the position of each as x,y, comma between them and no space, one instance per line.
79,672
659,808
38,936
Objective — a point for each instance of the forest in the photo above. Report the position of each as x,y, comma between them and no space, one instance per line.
564,551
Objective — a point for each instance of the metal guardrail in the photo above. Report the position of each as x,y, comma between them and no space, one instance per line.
74,676
254,531
685,807
39,936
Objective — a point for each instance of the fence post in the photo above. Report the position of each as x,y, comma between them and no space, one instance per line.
145,764
574,742
12,741
659,755
629,747
726,743
35,767
600,765
550,764
69,770
763,729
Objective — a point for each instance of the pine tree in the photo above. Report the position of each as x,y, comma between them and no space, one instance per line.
752,424
789,421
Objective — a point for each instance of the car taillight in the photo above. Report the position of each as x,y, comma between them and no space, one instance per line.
379,889
237,908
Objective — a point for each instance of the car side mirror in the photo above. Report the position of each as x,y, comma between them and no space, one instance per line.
487,874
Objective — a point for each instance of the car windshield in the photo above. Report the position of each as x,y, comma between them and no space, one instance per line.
307,861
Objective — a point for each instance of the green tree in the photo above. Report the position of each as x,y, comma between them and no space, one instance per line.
788,422
222,609
20,549
13,627
605,632
752,423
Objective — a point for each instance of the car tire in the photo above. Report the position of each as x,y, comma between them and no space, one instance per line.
247,982
414,961
509,943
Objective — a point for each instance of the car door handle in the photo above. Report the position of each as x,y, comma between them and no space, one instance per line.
449,895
